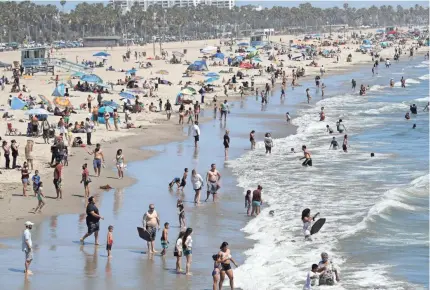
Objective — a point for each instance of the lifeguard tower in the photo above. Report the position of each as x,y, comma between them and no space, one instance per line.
257,39
34,60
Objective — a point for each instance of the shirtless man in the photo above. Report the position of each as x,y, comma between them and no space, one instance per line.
151,222
99,159
212,180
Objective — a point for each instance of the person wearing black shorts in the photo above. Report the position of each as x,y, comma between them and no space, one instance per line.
184,179
226,143
93,221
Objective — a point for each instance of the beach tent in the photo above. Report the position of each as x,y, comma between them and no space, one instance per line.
219,55
367,42
211,80
127,95
91,78
101,54
111,104
243,44
17,104
384,44
59,91
131,72
101,116
198,65
179,98
245,65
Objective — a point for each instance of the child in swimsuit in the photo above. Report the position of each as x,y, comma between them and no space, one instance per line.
216,270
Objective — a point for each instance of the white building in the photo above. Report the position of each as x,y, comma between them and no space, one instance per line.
127,4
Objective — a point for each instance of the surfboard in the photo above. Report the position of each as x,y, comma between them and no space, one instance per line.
317,226
143,234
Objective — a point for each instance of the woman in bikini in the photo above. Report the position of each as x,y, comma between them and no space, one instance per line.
216,271
226,260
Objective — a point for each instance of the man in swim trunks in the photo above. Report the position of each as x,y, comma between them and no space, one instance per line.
212,180
333,144
151,222
308,161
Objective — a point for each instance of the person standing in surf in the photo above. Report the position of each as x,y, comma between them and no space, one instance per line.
307,156
329,271
226,261
268,143
252,139
226,143
178,251
93,221
151,222
197,181
308,95
345,144
212,180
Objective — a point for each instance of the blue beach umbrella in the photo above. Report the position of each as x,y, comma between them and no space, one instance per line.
78,74
243,44
91,78
131,71
211,80
127,95
111,104
101,54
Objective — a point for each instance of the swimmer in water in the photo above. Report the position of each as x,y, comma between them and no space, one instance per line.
340,127
329,130
307,156
333,144
407,116
414,126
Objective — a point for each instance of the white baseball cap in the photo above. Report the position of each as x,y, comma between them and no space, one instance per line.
28,223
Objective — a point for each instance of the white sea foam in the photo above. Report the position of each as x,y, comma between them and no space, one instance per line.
424,77
376,88
281,258
412,81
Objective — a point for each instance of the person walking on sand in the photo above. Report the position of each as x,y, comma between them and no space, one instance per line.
120,160
187,246
93,221
86,180
27,247
168,108
212,180
197,181
40,198
178,251
99,159
196,133
165,239
25,176
109,242
36,180
268,143
224,110
181,213
115,119
106,116
252,139
226,260
29,153
151,222
226,143
6,153
58,173
308,95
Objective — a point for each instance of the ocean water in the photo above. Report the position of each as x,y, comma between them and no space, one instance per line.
377,228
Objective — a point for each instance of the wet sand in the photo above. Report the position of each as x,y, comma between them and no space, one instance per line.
59,256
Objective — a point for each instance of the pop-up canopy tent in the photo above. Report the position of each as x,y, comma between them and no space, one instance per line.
17,104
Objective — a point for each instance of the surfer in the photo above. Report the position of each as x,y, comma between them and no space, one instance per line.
307,156
333,144
329,130
327,269
212,180
307,223
151,222
312,277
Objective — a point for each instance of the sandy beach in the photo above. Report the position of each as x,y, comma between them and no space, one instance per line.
167,146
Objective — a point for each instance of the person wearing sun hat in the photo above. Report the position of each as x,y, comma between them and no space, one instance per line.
27,247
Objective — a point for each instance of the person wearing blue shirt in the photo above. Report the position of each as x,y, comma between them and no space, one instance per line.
36,181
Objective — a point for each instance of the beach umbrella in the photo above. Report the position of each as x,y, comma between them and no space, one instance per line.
127,95
62,102
178,54
38,111
212,74
111,104
188,91
45,100
101,54
59,91
162,72
78,74
211,80
91,78
105,109
243,44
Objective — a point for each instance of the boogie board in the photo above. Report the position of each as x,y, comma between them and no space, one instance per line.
317,226
143,234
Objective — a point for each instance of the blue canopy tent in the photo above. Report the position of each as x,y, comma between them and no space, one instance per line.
198,65
17,104
211,80
218,55
367,42
78,74
91,78
111,104
101,116
131,72
127,95
59,91
212,74
101,54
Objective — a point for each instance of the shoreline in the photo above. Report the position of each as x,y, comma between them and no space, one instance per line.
10,225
